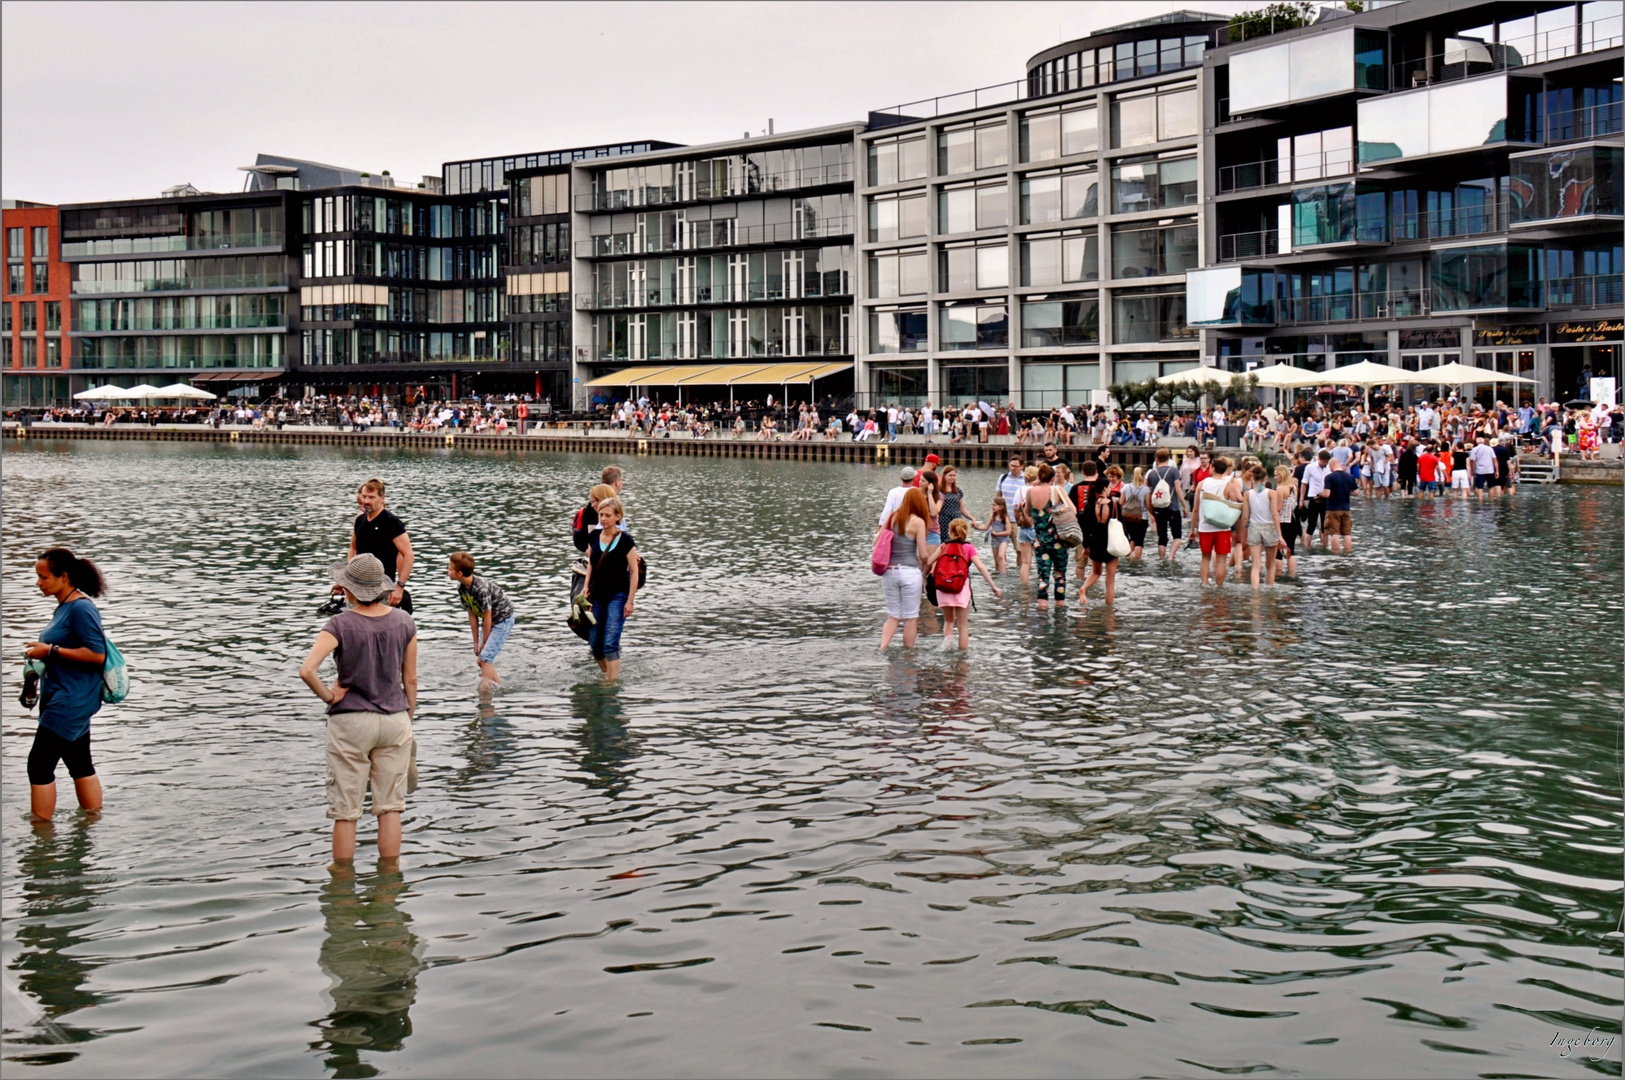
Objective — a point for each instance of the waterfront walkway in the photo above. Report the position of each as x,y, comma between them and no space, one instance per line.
908,449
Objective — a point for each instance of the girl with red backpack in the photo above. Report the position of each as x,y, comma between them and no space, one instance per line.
951,573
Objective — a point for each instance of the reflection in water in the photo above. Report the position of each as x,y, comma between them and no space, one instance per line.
488,742
57,906
371,954
606,744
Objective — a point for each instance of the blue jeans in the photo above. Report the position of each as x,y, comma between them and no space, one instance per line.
605,638
495,640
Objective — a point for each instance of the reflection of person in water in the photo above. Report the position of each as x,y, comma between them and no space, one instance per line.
606,744
55,917
371,954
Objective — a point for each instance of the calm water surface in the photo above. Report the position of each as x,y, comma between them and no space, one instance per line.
1368,825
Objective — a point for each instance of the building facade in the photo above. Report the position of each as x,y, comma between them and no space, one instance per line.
36,316
1419,184
739,251
1034,250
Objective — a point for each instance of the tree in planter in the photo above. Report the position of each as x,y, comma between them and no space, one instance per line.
1242,391
1130,393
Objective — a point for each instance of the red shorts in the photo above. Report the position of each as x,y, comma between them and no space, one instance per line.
1214,541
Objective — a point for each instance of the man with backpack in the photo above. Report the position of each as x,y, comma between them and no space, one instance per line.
1167,501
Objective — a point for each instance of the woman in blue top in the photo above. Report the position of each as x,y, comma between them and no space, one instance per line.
73,650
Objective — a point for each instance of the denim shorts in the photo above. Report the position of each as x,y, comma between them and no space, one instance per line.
495,640
1026,535
605,636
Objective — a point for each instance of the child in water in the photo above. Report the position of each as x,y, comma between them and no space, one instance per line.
998,531
958,554
490,614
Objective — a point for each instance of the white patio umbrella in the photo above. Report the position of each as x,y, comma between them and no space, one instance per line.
140,392
1365,375
1192,376
1287,377
184,392
1456,374
100,393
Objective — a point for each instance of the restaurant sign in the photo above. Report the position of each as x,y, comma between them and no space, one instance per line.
1592,330
1507,335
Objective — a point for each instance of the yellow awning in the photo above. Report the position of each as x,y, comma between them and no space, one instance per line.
632,376
827,369
694,375
775,373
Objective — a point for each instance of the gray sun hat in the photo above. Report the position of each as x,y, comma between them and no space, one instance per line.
363,576
908,473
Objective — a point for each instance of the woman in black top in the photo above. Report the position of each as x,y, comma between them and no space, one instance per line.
612,585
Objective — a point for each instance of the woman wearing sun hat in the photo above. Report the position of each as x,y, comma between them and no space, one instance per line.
369,705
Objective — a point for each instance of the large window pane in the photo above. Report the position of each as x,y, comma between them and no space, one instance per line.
992,206
1321,64
1134,253
1080,257
958,269
956,210
1259,77
911,216
992,145
993,267
1134,188
1041,137
913,274
1080,131
992,327
1176,182
911,158
1177,114
956,327
1040,199
1041,261
882,163
956,152
1080,194
1134,121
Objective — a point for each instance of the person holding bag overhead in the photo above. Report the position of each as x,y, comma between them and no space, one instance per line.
1218,508
73,649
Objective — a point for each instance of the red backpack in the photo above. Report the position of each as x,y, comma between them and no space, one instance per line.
952,570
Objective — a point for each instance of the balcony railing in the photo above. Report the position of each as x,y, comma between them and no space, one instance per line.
1476,58
150,245
1236,247
1460,221
1349,307
1600,290
1590,122
840,345
739,183
709,235
653,296
1319,165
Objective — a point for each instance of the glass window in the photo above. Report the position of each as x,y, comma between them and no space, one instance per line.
1231,296
14,243
1567,183
42,277
992,206
956,151
1153,252
16,277
1178,114
1080,194
1145,57
1061,258
984,382
53,314
1486,277
1040,199
993,266
911,158
1371,59
893,217
30,313
882,163
992,326
897,273
1157,315
957,269
1176,182
1134,121
1451,116
42,242
956,327
5,318
1053,321
992,145
899,331
1171,52
1080,130
1041,136
1041,384
956,210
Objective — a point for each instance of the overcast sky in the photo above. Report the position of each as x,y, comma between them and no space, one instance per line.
115,101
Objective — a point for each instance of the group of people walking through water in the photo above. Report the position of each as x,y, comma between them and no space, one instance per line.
1092,519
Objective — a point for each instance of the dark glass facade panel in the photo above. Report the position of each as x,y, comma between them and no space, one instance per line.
1057,321
531,245
1154,315
982,382
155,275
1577,182
900,385
1153,252
123,221
1486,277
1153,184
190,351
250,311
900,331
973,326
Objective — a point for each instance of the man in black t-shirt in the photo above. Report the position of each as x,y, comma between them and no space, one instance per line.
381,534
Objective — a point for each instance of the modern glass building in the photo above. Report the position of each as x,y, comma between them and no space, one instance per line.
1418,184
1029,242
727,265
